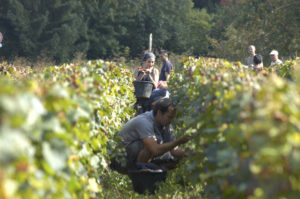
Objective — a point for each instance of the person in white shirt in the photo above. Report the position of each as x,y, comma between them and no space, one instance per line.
249,60
274,58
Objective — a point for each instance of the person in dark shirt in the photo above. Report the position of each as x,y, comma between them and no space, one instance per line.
167,66
258,63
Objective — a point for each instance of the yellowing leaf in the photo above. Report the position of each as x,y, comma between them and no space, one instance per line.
223,127
184,59
93,185
36,183
10,188
226,63
294,139
256,169
258,192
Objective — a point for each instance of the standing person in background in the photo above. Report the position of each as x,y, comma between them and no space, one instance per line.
274,58
167,66
249,60
148,72
258,63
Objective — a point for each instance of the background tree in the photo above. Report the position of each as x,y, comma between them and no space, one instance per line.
209,5
103,28
123,27
100,28
268,25
112,28
171,29
199,27
31,27
162,19
16,23
66,32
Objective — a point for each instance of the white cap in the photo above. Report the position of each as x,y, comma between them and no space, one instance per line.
274,52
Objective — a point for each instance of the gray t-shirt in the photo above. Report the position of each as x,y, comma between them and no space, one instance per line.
249,61
144,126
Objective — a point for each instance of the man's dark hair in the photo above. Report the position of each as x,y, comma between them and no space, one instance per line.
162,105
257,59
157,95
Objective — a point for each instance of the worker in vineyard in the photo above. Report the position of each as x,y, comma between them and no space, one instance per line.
249,60
274,58
160,92
148,72
148,138
167,66
258,63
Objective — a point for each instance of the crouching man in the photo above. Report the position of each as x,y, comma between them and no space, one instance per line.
149,137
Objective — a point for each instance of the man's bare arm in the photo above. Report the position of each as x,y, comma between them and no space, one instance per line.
167,76
159,149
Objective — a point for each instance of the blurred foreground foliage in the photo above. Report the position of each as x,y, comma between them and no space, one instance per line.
249,144
57,126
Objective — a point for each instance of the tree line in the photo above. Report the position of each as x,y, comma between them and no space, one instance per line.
111,28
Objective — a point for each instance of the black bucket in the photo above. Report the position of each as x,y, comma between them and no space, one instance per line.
143,89
146,181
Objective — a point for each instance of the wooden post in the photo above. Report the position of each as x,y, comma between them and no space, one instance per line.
150,42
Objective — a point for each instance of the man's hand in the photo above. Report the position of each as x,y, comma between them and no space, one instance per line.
159,149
